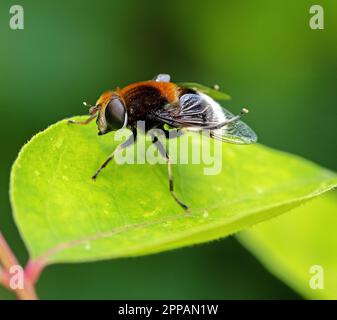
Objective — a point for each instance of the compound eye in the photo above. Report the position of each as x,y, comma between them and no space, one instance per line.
115,114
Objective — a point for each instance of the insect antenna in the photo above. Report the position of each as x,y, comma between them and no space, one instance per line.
92,109
87,104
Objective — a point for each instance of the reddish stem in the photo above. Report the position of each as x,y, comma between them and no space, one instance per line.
7,261
33,270
7,258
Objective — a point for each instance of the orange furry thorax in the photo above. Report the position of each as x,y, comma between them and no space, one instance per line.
169,90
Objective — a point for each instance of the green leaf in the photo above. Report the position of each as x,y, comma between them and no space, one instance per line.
215,94
64,216
296,245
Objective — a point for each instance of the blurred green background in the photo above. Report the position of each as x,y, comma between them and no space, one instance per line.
263,53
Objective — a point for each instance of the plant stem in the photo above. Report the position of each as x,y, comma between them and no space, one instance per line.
7,258
7,261
33,269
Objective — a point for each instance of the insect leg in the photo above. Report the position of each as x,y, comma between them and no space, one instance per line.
131,140
92,117
165,155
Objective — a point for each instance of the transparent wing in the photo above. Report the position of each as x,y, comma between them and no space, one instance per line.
162,77
199,111
215,94
236,132
191,111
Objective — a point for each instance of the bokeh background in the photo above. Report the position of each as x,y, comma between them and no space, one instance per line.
263,53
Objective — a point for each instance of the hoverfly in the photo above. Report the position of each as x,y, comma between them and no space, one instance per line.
160,102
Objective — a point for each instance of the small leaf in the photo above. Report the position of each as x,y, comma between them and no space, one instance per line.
64,216
299,247
215,94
